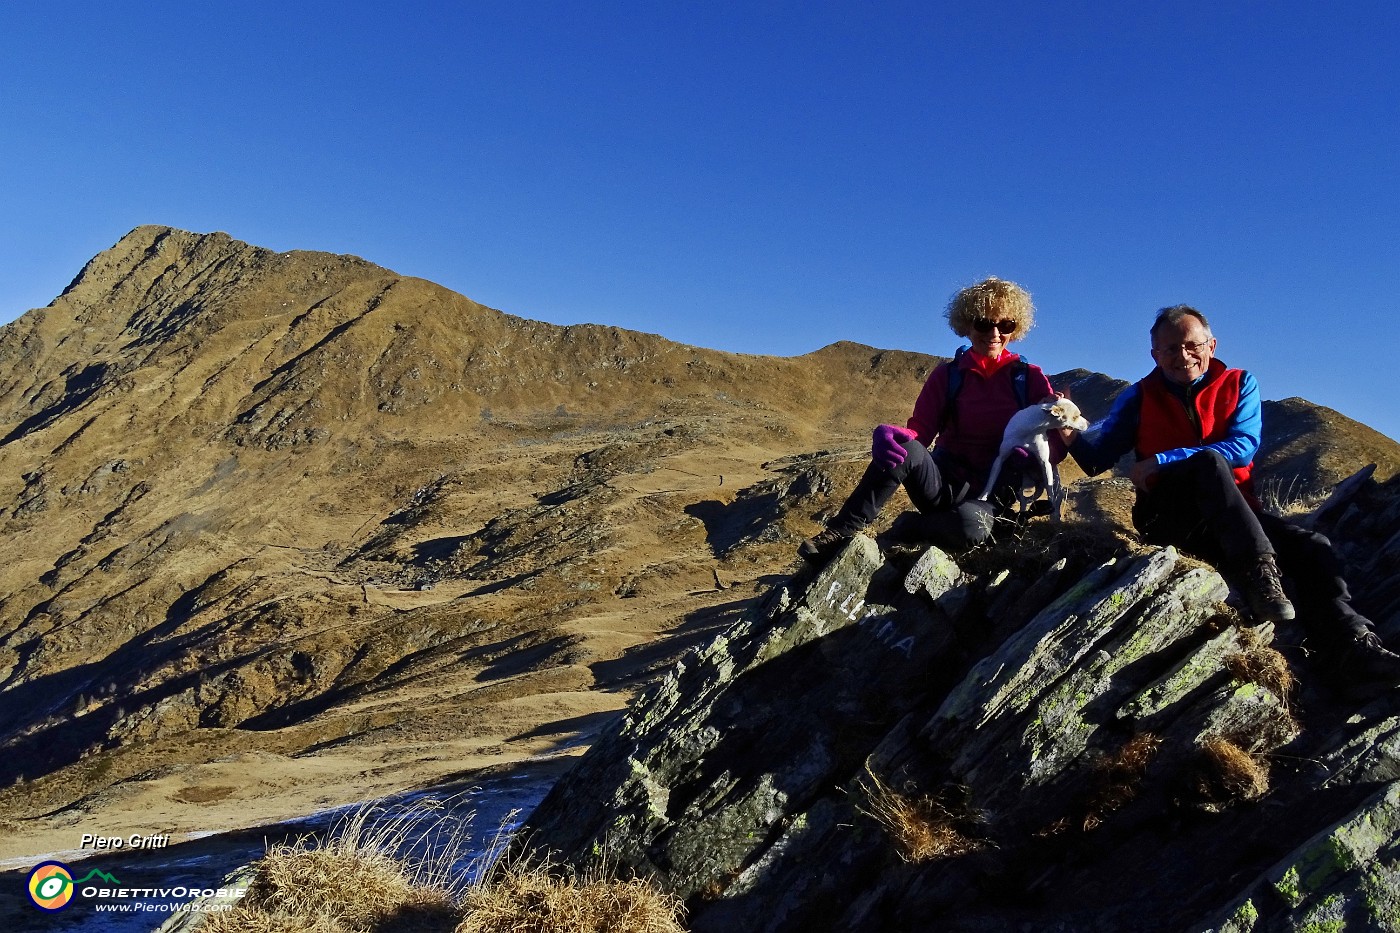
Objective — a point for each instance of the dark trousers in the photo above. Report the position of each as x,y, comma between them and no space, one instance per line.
919,474
1196,506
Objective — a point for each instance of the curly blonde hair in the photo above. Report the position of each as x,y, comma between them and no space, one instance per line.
992,299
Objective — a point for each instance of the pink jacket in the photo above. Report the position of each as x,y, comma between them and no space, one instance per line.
985,403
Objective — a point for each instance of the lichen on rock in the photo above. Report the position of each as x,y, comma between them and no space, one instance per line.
1120,748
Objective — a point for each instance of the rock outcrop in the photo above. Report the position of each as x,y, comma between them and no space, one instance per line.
896,742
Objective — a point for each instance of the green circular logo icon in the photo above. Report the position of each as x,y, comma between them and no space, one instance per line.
51,886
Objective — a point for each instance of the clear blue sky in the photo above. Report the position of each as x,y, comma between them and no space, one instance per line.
757,177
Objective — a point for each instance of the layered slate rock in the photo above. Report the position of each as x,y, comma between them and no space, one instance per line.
1362,517
899,744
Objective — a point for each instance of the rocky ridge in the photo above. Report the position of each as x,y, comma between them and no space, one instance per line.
895,742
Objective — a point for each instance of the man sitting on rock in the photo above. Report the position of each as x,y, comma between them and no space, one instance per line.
1195,426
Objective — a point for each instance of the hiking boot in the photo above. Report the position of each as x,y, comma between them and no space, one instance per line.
824,544
1263,590
1365,660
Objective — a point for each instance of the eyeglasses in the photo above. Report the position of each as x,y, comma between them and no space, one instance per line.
985,326
1191,349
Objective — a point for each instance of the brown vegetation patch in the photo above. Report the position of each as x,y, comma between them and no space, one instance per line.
923,827
1228,773
519,899
356,881
203,793
334,888
371,876
1119,778
1114,783
1262,665
1226,616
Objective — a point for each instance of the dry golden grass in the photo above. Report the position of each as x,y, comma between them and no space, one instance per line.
923,828
358,881
1262,665
544,899
1290,496
376,874
1231,772
332,888
244,920
1120,776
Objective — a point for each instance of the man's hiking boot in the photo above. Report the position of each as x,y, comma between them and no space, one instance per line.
1366,661
1262,587
824,544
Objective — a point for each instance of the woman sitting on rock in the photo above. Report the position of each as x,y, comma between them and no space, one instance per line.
945,454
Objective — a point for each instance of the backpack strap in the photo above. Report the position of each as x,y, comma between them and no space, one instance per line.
955,381
1020,384
1019,380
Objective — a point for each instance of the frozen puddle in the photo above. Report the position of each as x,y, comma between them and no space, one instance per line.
136,891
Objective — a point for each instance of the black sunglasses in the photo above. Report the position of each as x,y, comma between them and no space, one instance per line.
985,326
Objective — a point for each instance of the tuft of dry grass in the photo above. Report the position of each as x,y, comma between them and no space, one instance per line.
923,828
388,870
1119,778
370,876
1230,772
334,888
549,899
1292,499
1262,665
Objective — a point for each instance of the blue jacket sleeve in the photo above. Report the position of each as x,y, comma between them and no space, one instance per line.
1106,441
1242,434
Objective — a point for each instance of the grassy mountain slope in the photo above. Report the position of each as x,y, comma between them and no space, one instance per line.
296,515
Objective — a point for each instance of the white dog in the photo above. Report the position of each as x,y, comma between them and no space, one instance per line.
1027,428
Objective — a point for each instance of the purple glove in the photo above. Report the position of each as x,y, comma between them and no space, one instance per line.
888,449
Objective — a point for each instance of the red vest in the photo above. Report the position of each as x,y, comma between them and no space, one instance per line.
1166,423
